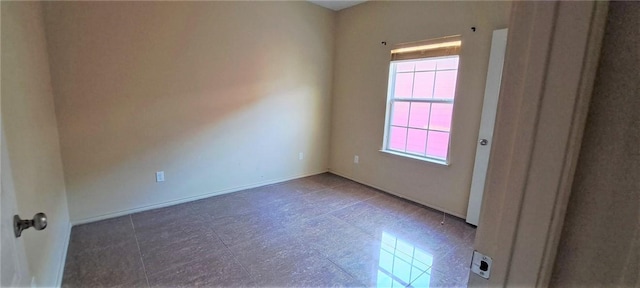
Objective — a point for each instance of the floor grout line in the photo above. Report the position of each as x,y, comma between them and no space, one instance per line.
144,268
233,255
345,271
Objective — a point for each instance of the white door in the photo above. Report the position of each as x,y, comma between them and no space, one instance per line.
13,264
485,135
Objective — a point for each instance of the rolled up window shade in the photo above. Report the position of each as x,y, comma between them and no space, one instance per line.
439,47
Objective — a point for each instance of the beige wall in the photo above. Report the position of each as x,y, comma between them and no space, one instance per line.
600,244
29,125
219,95
360,91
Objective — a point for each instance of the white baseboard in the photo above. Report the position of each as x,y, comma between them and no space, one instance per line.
187,199
400,195
63,257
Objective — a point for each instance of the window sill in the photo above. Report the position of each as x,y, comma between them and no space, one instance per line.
425,159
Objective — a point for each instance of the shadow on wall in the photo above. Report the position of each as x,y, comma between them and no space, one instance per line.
204,90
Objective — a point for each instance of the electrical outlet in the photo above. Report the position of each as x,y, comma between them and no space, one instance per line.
160,176
481,264
300,156
356,159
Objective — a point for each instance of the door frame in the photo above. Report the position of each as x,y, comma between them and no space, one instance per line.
551,60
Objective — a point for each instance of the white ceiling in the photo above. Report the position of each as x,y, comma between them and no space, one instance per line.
336,5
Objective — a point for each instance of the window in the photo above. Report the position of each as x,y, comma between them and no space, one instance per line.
422,86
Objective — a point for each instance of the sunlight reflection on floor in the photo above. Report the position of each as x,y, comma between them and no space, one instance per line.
402,264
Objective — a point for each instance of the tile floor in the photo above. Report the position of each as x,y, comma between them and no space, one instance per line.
317,231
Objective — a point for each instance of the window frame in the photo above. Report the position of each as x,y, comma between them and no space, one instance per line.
389,111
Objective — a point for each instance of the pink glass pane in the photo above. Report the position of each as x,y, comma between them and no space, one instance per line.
405,66
438,144
416,141
448,63
419,117
423,86
426,65
397,138
445,84
441,116
404,85
400,113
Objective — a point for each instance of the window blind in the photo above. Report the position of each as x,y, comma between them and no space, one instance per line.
439,47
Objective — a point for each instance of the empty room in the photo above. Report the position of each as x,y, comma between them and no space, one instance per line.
320,144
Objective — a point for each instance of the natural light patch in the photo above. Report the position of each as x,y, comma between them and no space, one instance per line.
421,106
427,47
402,264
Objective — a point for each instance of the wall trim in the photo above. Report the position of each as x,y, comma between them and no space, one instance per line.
188,199
399,195
63,257
584,92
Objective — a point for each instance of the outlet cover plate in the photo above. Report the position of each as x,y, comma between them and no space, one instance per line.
160,176
481,264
